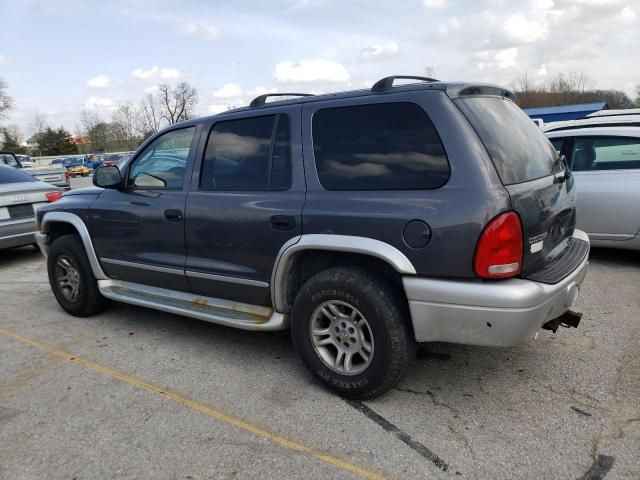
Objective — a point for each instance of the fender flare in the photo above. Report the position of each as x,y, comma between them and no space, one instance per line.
81,228
329,242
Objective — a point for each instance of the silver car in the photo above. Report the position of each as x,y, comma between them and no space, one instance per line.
20,196
606,169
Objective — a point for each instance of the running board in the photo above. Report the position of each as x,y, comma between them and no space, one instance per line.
214,310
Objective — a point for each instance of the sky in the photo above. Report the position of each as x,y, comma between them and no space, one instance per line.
60,57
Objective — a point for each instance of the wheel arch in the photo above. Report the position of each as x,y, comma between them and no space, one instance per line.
293,261
56,224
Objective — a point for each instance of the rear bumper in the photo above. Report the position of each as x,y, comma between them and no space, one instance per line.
17,234
501,313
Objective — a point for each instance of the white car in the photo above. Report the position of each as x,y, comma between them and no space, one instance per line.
605,162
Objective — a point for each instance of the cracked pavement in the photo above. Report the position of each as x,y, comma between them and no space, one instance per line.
562,406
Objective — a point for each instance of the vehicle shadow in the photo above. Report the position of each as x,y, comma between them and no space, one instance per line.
615,256
13,256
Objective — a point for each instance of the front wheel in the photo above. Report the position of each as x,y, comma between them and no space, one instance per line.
351,328
71,277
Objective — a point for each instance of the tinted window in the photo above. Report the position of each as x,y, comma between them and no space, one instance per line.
386,146
11,175
557,144
162,163
606,154
519,150
248,154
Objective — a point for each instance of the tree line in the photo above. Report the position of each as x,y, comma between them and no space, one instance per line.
125,129
566,90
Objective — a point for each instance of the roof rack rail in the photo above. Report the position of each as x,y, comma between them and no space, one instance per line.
387,82
262,99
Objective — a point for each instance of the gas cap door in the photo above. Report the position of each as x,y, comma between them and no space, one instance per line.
416,234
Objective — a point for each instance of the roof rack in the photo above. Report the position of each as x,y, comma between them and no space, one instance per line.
262,99
387,82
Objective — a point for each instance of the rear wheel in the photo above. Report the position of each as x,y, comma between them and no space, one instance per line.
72,279
350,327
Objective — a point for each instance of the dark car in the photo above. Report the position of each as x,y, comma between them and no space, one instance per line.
365,221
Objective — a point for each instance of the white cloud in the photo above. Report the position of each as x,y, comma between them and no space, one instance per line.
523,30
152,89
98,103
157,72
219,107
3,59
379,52
306,71
228,90
506,58
101,81
261,91
436,3
200,29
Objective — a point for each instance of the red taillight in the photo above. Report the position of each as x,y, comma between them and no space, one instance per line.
499,250
53,196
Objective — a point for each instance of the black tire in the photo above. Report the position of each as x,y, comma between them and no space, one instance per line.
380,303
88,300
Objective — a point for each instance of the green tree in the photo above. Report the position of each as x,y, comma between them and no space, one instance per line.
11,143
56,142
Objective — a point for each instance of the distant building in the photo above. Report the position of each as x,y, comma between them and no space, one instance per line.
80,139
565,112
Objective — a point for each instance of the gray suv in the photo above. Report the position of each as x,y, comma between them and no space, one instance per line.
364,221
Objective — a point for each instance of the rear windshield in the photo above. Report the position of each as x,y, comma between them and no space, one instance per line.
11,175
519,150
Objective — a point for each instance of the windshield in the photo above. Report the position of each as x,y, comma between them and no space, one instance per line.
519,150
11,175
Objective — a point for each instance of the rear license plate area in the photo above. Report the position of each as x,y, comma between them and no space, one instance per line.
23,210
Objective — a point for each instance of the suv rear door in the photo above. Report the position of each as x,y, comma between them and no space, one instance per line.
246,200
138,232
541,189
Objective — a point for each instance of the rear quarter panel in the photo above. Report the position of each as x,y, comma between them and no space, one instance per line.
456,212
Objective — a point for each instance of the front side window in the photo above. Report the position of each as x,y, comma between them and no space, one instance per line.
161,165
384,146
248,154
605,154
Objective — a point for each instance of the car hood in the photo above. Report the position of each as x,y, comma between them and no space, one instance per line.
85,191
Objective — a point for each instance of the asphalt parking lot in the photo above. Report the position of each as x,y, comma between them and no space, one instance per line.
135,393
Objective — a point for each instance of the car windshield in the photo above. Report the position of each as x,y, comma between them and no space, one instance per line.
11,175
519,150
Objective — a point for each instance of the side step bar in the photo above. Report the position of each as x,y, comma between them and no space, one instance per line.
214,310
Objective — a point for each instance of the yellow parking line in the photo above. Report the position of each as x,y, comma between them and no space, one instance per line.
207,410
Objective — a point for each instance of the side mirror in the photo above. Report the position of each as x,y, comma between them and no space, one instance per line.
107,177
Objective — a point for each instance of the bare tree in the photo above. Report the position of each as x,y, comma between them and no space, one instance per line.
124,122
6,102
95,128
37,127
177,103
150,116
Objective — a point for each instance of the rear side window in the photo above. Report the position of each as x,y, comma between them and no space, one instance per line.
11,175
606,154
518,148
385,146
248,154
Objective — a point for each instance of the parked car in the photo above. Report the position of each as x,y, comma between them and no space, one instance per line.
55,175
26,161
20,196
366,221
111,159
77,167
615,120
606,166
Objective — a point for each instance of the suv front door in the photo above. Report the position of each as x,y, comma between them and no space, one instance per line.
138,231
245,202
